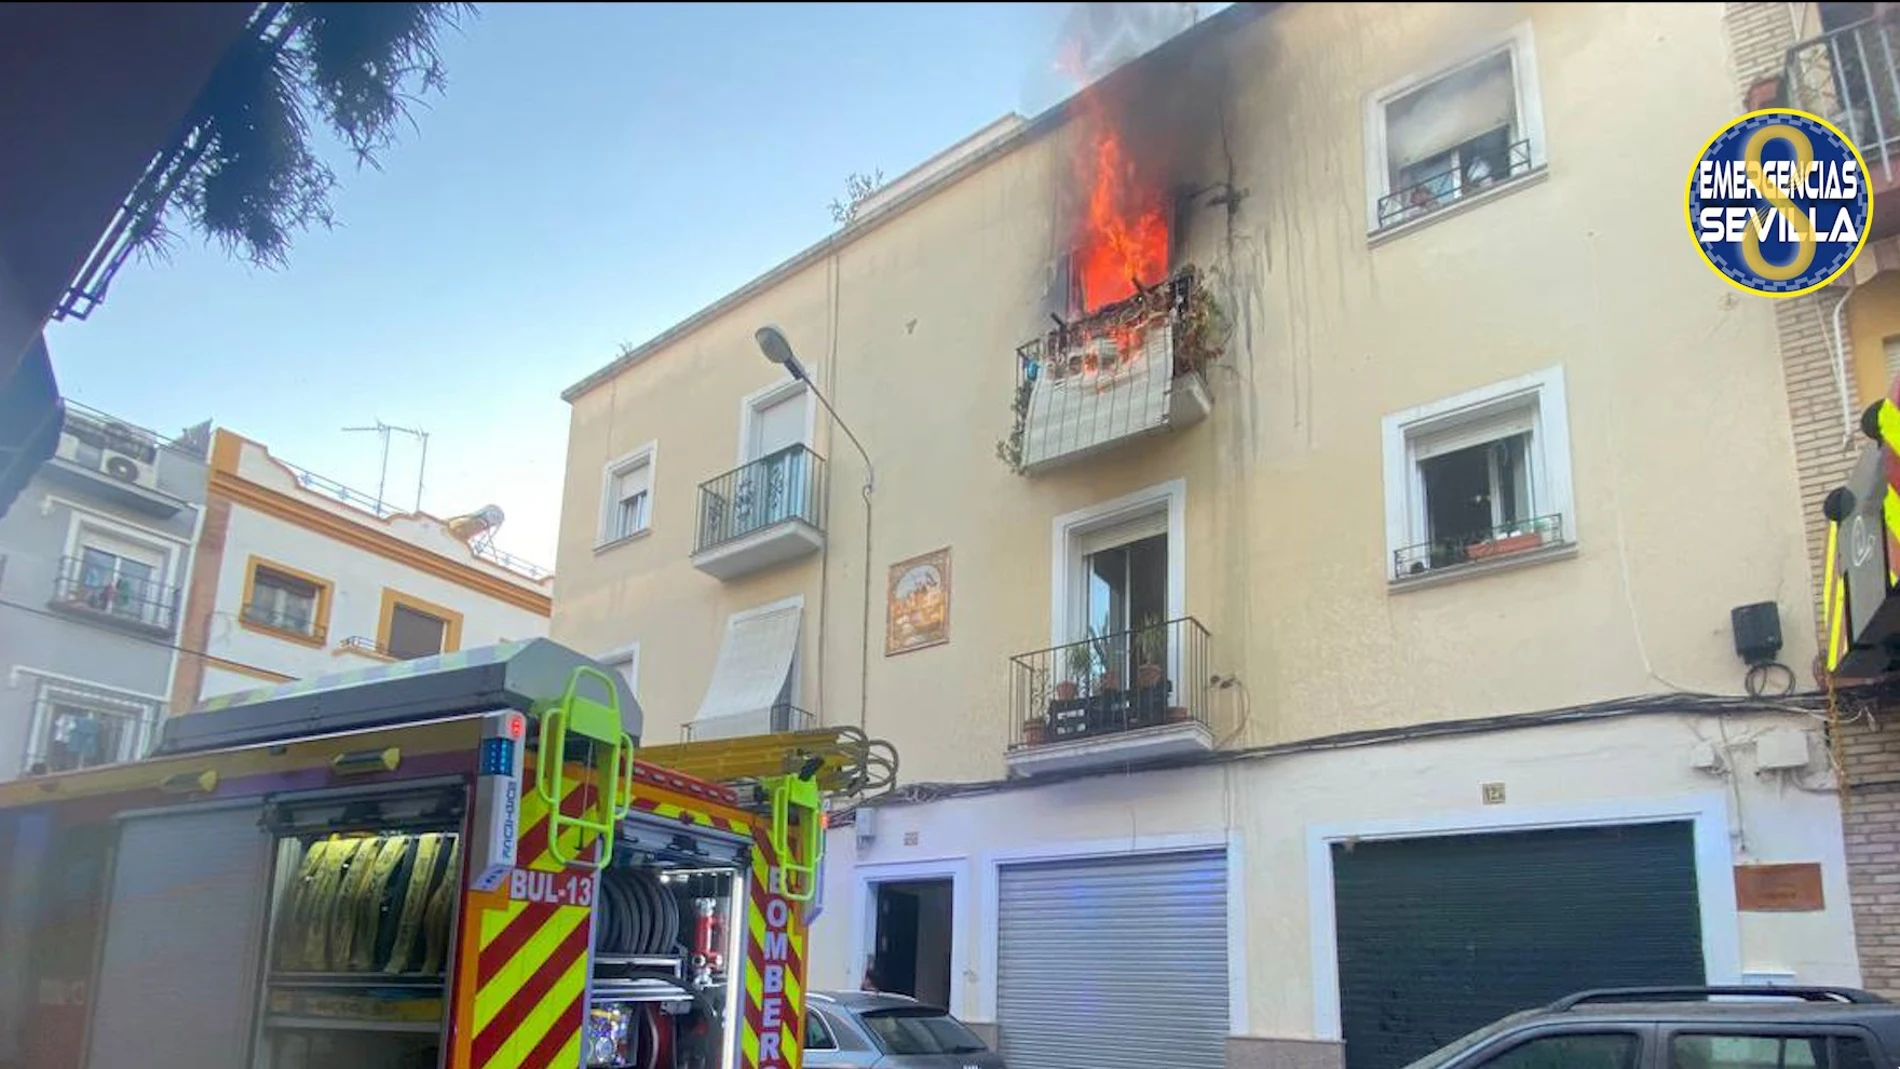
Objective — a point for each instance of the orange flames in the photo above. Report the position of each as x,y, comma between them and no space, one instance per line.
1123,230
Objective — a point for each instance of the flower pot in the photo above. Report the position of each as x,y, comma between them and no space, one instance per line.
1148,675
1035,732
1065,691
1500,547
1178,714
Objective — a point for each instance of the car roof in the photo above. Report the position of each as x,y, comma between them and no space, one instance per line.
870,1001
1716,1012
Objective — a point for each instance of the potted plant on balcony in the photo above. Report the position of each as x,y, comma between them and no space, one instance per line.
1151,649
1035,731
1079,663
1515,539
1109,678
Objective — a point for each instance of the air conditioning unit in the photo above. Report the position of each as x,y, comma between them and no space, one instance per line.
113,450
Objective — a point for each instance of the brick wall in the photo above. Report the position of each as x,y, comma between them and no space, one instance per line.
1871,827
1760,35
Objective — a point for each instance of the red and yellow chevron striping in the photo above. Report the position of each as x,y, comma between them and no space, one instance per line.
773,1036
525,950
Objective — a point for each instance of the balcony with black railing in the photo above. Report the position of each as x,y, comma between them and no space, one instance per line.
85,588
1466,176
1125,371
1850,76
291,623
761,514
1477,547
1118,698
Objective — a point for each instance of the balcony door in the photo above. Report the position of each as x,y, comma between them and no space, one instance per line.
1123,588
773,485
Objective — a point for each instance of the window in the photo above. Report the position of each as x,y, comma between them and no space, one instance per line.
627,496
108,582
286,601
411,627
1434,141
626,662
1571,1050
75,727
911,1031
1119,566
1479,477
1769,1052
817,1033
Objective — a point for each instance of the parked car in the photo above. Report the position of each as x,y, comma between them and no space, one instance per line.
874,1030
1687,1028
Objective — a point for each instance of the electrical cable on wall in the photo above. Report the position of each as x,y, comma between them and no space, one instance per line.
1762,674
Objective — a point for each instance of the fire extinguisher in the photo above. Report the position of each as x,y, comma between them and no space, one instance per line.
706,940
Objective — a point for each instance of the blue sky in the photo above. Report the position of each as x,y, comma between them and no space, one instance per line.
593,174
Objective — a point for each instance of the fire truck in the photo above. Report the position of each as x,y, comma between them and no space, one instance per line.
456,862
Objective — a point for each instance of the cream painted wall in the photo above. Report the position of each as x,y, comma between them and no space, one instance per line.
359,579
1683,466
1273,807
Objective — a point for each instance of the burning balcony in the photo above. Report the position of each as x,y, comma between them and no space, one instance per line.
762,513
1120,698
1132,368
1850,76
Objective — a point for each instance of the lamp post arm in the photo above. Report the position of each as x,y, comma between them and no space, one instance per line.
870,472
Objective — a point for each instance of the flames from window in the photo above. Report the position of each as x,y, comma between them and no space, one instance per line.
1122,239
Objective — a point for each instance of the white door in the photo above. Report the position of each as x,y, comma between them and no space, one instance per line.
774,488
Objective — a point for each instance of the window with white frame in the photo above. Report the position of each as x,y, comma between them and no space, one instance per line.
78,727
1436,140
1478,477
627,500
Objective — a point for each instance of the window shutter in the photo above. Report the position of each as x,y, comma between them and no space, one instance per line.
1450,111
632,481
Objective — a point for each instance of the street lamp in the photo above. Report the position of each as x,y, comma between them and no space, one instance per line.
777,349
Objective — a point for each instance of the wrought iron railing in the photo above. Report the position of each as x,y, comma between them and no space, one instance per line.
1112,683
366,645
75,730
1465,178
288,622
1474,546
1851,77
764,722
784,486
121,599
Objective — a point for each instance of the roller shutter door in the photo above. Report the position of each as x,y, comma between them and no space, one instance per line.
178,975
1439,936
1114,964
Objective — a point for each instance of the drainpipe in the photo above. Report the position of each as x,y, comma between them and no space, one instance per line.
1840,372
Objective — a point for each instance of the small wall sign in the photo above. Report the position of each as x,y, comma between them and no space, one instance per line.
1794,888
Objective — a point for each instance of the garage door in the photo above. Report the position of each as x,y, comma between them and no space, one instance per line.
1114,964
178,974
1439,936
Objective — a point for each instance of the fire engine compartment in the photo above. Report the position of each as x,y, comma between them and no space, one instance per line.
666,943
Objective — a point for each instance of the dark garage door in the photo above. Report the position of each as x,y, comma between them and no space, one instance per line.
1439,936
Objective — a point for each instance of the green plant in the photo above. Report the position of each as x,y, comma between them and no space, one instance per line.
1081,658
1201,327
1151,642
1010,450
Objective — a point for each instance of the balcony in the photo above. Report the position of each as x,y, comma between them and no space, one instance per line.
1129,370
1494,545
761,514
1123,698
93,592
112,458
288,623
1850,76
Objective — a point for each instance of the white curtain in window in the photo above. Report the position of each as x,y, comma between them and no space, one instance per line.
754,666
1450,111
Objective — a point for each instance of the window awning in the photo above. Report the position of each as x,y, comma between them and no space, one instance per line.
750,676
30,418
1074,408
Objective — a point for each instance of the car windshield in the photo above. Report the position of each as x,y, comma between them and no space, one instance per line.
1467,1041
920,1030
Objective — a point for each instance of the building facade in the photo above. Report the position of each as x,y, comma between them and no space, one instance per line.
1295,498
1840,348
92,561
294,576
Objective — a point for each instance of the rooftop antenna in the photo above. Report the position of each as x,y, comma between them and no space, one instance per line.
384,430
